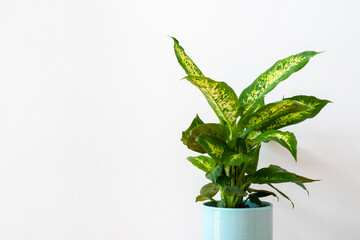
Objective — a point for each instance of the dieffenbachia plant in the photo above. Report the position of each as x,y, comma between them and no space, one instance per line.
231,147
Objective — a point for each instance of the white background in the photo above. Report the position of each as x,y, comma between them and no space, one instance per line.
92,109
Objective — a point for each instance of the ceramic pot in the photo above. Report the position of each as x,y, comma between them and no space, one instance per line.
253,223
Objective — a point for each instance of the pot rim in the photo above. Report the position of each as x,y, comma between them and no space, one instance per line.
255,207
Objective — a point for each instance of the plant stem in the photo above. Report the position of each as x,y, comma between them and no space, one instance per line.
233,175
246,185
241,177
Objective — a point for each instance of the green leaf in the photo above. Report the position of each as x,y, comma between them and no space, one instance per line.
220,97
263,193
184,60
209,190
294,118
214,174
211,129
286,139
282,194
236,159
255,197
254,153
201,198
216,148
186,134
270,112
304,179
280,71
237,191
203,163
275,174
221,204
222,181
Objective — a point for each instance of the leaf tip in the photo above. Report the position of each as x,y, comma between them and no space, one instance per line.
175,40
328,101
314,53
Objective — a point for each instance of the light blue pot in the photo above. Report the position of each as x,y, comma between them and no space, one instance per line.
253,223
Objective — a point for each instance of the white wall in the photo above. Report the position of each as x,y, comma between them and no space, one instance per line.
92,109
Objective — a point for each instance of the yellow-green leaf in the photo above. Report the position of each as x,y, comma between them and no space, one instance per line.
203,163
236,159
269,113
252,107
201,198
221,98
216,148
209,190
286,139
280,71
185,61
294,118
211,129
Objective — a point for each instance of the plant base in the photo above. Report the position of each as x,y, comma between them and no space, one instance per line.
253,223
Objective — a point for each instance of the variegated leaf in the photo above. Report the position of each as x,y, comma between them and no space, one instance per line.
248,140
214,174
280,71
236,159
275,174
216,148
269,113
220,97
252,107
294,118
211,129
286,139
184,60
203,163
185,134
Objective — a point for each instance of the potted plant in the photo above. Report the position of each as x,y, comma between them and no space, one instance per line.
230,148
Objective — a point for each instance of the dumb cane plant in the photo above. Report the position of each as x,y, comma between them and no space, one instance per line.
232,146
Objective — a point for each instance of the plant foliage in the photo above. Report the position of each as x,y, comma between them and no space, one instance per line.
232,146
